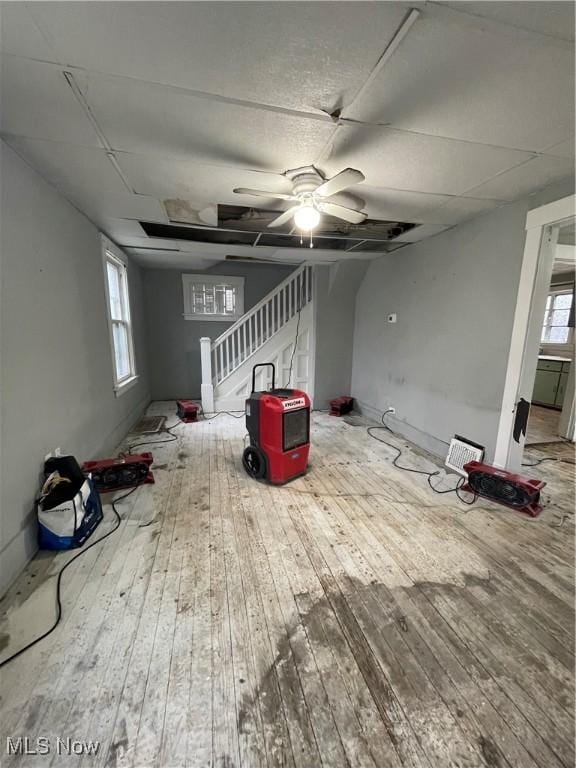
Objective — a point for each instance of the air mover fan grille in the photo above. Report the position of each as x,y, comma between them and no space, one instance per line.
515,491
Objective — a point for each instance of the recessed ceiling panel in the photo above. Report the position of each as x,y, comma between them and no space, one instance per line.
295,241
37,102
303,55
459,80
390,158
520,181
147,119
197,234
240,217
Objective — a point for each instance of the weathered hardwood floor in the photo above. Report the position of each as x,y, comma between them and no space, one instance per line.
350,618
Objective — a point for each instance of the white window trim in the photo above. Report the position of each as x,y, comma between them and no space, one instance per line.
557,291
110,250
237,282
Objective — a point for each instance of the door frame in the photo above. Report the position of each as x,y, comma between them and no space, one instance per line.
542,225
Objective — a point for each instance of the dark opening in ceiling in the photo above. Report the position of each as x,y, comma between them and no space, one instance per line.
198,234
240,225
239,217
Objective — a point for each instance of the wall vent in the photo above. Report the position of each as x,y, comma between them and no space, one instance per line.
460,452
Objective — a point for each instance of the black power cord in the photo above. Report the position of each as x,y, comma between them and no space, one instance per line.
428,475
209,415
59,579
294,346
171,439
206,416
549,458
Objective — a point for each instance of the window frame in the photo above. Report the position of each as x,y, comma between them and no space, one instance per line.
560,290
113,255
188,281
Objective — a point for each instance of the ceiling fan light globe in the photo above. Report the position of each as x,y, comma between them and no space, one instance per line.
307,218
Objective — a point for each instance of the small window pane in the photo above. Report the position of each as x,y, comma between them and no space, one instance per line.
121,353
558,335
563,301
560,317
230,303
114,289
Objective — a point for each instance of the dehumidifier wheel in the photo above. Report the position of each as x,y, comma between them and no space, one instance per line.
254,462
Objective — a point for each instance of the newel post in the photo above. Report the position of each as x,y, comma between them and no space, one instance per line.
207,388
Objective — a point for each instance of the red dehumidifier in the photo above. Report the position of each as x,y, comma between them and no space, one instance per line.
278,423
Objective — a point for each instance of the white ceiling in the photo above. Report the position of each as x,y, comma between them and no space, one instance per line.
192,99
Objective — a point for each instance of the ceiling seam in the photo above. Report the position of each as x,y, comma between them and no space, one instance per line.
496,176
450,10
323,117
44,34
397,38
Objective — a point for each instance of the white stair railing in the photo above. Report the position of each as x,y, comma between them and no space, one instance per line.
221,357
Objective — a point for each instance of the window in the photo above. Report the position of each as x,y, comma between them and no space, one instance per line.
213,297
555,329
119,318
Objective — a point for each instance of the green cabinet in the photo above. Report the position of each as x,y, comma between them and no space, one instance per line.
545,387
550,383
561,391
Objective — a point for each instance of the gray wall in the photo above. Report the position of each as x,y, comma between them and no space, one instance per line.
56,377
174,343
443,364
335,289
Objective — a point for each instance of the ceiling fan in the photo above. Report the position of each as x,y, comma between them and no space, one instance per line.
309,193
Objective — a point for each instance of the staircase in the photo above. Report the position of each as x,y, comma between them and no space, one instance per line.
266,333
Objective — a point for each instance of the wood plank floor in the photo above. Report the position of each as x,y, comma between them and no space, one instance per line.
543,426
350,618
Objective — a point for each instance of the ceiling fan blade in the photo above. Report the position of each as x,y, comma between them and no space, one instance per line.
341,212
284,217
345,178
263,193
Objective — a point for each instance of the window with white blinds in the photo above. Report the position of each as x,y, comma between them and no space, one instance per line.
213,297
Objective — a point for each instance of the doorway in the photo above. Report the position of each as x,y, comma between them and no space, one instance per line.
539,383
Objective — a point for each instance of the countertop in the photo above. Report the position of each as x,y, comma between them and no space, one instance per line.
557,358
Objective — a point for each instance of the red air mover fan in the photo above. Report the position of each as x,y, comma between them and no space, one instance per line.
114,474
278,422
186,410
514,491
340,406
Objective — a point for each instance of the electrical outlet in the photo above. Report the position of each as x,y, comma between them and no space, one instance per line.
392,317
391,409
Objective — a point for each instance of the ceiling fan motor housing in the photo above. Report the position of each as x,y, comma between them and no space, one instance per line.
304,180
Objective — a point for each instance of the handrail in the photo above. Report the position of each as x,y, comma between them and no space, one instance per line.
253,310
251,331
